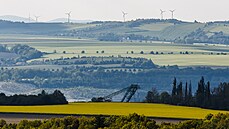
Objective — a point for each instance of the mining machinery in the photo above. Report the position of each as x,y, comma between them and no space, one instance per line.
129,92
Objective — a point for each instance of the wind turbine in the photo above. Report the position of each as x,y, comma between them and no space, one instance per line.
69,16
124,15
162,12
172,11
29,18
37,18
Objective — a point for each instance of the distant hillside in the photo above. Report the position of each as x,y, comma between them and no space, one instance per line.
8,27
141,29
13,18
64,20
16,18
170,30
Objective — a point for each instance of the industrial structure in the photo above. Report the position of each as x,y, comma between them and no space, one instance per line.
129,92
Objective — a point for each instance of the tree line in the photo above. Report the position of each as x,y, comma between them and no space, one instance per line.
204,97
41,99
140,22
132,121
112,78
131,62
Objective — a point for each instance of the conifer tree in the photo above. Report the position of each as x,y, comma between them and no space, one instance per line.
174,90
186,92
180,92
200,93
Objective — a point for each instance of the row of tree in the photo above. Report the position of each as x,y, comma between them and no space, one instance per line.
41,99
133,121
205,97
123,61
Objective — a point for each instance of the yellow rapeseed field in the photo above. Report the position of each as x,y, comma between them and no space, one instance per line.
152,110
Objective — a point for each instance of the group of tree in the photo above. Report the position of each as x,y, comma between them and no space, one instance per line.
24,52
102,77
124,61
109,37
132,121
200,36
139,22
205,97
41,99
9,24
125,37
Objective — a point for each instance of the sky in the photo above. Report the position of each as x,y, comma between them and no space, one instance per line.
187,10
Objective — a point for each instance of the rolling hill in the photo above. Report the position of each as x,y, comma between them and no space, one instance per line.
171,30
64,20
8,27
13,18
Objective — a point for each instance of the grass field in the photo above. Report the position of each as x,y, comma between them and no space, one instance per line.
155,26
218,28
74,46
200,57
151,110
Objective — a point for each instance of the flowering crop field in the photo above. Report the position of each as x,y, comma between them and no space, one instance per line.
150,110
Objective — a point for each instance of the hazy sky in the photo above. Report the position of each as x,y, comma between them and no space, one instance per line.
201,10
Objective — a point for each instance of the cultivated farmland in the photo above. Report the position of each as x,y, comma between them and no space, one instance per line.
165,53
150,110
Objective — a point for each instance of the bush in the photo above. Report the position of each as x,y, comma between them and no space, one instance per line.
132,121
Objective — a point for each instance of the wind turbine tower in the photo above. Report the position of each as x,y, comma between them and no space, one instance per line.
37,18
124,16
172,11
29,18
162,13
69,16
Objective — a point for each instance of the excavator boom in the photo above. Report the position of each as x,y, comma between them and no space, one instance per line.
130,91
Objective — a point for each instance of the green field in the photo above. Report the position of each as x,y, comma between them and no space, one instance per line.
74,46
151,110
217,28
200,57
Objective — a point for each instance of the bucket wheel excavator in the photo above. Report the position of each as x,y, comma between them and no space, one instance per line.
129,93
